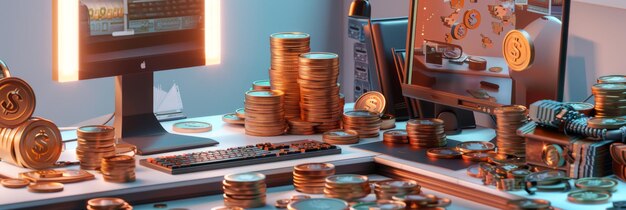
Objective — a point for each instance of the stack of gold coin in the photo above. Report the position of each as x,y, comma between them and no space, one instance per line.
265,115
426,133
261,85
319,90
108,204
396,137
94,143
341,137
509,119
119,168
347,187
385,190
245,190
612,79
311,177
301,127
610,99
35,144
366,123
286,48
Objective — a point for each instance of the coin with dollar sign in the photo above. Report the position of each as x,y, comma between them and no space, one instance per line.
471,19
38,143
17,102
518,50
371,101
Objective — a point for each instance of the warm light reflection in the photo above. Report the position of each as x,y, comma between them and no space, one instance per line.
67,40
213,31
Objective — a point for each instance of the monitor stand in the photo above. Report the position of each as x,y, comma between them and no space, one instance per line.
135,122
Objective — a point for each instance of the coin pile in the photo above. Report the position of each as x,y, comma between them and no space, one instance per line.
347,187
108,204
610,99
509,119
286,48
341,137
119,168
245,190
385,190
311,177
35,143
426,133
319,91
301,127
396,137
94,143
265,115
366,123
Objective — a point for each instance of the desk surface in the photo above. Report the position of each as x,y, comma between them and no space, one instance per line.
233,135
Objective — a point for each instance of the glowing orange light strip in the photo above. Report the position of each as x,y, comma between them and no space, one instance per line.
213,31
67,40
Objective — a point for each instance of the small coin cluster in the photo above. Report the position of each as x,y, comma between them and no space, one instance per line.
364,122
341,137
347,187
35,143
426,133
119,168
245,190
319,90
398,136
94,143
508,120
610,99
108,204
265,115
311,177
385,190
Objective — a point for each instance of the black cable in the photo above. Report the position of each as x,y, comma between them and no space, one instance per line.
588,98
109,120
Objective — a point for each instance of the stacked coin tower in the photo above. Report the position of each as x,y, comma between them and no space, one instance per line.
610,99
366,123
341,137
286,48
396,137
298,126
119,168
426,133
311,177
94,143
319,91
347,187
245,190
108,204
35,143
265,115
509,119
385,190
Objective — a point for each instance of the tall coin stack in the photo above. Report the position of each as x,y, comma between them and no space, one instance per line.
311,177
245,190
319,91
426,133
108,204
508,120
347,187
265,115
385,190
366,123
94,143
119,168
286,48
35,143
610,99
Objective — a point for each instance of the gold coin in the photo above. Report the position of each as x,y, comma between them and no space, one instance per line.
371,101
261,85
192,127
518,50
471,19
232,119
241,113
38,143
17,102
14,183
227,208
552,155
106,203
612,79
475,146
446,153
46,187
459,31
588,197
496,69
606,123
597,184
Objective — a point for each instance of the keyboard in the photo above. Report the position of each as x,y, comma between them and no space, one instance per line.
239,156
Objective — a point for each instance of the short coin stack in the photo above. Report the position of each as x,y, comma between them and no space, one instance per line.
396,137
509,119
610,99
319,91
426,133
301,127
341,137
261,85
119,168
245,190
108,204
385,190
366,123
347,187
286,48
94,143
612,79
311,177
265,113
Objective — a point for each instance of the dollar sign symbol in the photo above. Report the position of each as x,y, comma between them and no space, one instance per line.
473,20
10,105
516,52
41,144
372,103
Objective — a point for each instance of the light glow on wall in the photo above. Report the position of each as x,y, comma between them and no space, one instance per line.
213,32
67,40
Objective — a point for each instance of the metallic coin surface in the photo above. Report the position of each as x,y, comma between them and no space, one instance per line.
518,50
597,184
318,203
4,70
35,144
245,177
606,122
475,146
261,85
46,187
371,101
232,119
552,155
612,79
471,19
241,113
496,69
14,183
192,127
529,204
444,153
588,197
106,203
17,102
459,31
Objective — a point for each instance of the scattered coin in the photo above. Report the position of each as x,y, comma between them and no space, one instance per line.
588,197
232,119
385,190
18,102
597,184
443,153
495,69
475,146
46,187
14,183
282,203
606,122
192,127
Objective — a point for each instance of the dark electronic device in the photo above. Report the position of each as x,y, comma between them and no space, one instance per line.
240,156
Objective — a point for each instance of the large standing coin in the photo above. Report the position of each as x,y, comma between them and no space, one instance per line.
371,101
38,144
192,127
518,50
15,183
471,19
17,102
552,155
46,187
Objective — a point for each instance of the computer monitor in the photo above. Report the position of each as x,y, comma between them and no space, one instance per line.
131,39
442,33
